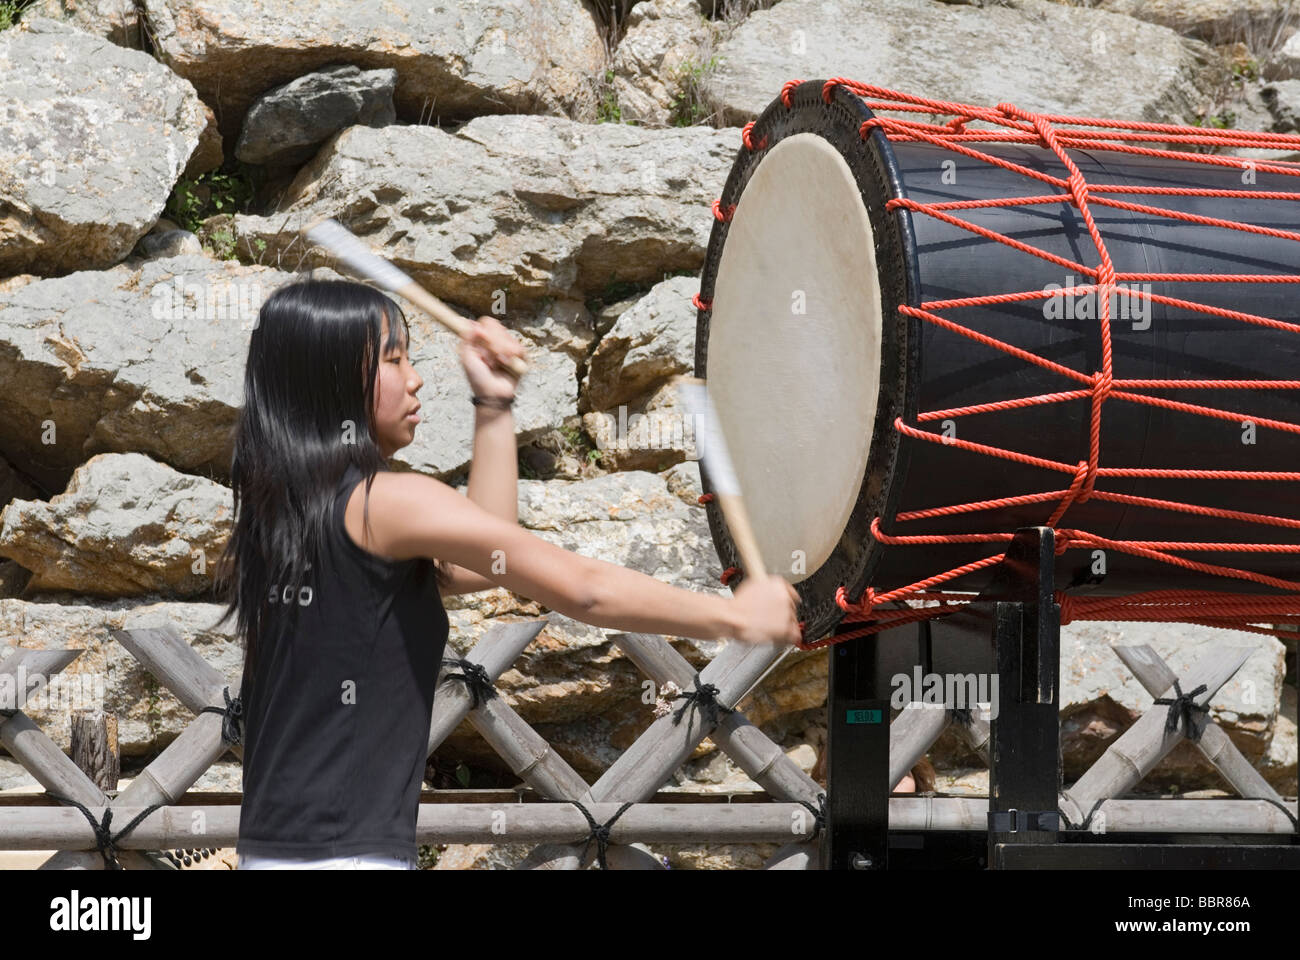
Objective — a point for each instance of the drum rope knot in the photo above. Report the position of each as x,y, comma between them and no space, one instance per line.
1184,706
868,125
476,679
232,715
865,604
703,700
105,839
599,832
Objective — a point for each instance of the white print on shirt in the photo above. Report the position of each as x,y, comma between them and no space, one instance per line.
285,594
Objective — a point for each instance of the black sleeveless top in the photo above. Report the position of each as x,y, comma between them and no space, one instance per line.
337,712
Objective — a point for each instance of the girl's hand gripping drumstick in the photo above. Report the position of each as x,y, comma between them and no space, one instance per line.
349,250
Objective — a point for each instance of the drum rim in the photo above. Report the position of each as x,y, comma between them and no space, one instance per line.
876,172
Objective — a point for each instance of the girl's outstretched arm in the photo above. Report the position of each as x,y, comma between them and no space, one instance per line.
416,516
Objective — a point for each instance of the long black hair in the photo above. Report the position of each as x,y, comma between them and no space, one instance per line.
309,387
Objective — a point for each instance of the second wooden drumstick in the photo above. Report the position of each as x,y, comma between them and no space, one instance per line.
344,245
712,448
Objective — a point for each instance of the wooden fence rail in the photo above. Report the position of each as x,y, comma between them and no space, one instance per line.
620,799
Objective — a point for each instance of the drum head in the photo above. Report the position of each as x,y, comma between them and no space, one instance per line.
803,348
794,350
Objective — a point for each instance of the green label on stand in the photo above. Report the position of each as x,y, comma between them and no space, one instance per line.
863,716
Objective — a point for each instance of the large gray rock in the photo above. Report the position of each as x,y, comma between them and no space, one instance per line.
166,376
1285,64
13,776
114,20
1283,101
287,125
1037,55
563,325
516,208
454,60
649,343
1214,21
165,244
10,284
92,139
652,434
126,525
683,481
663,39
1249,110
730,8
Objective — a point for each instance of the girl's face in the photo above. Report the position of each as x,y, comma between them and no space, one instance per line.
396,384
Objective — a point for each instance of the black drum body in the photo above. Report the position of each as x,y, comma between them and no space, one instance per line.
917,366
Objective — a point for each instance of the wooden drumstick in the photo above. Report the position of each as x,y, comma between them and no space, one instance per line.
712,448
344,245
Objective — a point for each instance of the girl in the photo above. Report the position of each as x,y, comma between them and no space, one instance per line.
337,566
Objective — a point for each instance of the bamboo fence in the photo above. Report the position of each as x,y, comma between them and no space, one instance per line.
153,823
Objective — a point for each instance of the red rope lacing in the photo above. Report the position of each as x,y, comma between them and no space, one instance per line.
1013,125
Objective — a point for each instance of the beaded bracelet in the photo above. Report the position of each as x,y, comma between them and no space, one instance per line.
500,403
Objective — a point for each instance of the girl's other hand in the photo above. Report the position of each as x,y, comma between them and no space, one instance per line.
768,605
483,352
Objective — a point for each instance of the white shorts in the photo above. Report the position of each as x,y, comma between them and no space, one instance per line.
365,861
